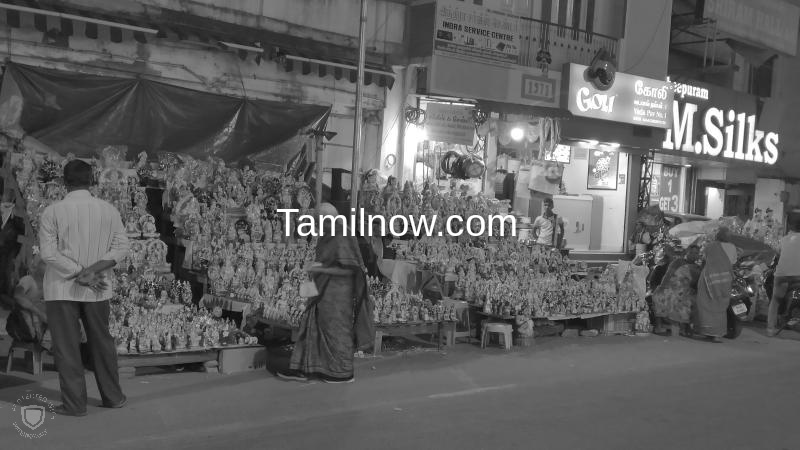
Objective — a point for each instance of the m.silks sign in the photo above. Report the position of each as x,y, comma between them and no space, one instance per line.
719,123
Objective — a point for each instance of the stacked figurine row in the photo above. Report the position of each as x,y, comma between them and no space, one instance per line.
150,290
140,330
392,200
394,305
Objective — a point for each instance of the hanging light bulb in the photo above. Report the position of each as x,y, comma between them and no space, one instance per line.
517,133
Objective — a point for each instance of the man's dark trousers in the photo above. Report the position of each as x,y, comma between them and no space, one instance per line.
65,330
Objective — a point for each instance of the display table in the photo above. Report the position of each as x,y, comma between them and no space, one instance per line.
211,357
443,328
606,323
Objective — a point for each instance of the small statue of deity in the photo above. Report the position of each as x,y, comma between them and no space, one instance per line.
132,227
157,255
147,223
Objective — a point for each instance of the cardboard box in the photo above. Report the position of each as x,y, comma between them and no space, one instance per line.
242,359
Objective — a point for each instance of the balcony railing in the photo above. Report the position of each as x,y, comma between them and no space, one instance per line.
565,44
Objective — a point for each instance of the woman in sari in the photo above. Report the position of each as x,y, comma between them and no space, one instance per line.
338,321
673,298
709,316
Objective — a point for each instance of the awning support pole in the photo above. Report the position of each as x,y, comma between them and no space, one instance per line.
355,175
318,147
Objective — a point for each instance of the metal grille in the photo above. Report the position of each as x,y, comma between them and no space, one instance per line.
645,181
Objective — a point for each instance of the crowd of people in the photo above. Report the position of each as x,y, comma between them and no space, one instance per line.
690,293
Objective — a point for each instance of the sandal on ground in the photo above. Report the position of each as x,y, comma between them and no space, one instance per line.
292,375
62,410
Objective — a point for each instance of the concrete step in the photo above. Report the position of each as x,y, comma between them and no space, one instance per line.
598,259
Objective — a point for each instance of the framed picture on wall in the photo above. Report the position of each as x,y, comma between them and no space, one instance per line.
603,169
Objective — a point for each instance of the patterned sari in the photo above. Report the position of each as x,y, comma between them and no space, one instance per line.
713,293
337,322
674,297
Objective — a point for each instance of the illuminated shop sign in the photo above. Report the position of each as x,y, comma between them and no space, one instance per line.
631,99
719,130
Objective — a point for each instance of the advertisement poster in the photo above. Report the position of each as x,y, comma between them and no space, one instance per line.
561,153
665,187
476,33
603,169
631,99
450,123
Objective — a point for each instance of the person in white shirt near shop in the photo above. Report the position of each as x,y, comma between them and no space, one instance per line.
787,273
81,238
548,229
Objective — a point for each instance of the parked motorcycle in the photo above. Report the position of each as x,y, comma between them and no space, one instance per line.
744,292
789,310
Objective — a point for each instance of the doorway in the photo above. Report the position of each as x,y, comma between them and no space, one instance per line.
715,199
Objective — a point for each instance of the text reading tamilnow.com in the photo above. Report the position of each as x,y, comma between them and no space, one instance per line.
361,224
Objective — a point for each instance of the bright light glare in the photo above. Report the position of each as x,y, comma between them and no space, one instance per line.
592,142
613,144
417,134
517,133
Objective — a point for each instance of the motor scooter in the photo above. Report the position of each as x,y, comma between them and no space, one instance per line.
742,293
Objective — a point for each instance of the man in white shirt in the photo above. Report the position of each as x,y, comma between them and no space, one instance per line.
548,228
81,238
786,274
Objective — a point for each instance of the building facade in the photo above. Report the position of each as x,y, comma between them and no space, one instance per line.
289,51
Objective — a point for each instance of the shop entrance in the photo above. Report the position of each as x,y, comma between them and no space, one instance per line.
714,199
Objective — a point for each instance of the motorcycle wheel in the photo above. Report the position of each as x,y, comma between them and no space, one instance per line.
734,325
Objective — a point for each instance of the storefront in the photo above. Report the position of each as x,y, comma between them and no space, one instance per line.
602,146
484,101
716,158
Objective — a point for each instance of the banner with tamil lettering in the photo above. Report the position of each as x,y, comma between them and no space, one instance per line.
450,123
476,33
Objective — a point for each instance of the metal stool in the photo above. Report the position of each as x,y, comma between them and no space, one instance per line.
33,348
503,329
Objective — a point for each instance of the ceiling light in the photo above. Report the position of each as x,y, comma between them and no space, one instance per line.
517,134
613,144
592,142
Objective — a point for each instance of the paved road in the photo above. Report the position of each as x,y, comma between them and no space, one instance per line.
615,393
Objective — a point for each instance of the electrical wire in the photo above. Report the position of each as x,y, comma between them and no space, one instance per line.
415,116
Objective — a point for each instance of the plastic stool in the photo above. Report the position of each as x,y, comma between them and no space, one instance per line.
503,329
34,349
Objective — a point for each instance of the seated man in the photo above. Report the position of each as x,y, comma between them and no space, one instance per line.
28,320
